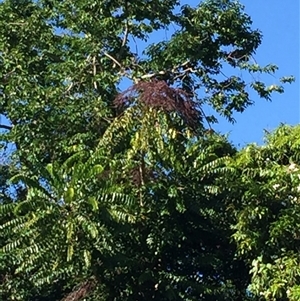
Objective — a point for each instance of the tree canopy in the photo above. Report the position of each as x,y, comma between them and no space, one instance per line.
114,184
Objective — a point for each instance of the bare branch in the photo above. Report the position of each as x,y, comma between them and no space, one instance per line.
6,127
17,23
113,59
125,34
180,65
174,72
69,88
150,75
95,71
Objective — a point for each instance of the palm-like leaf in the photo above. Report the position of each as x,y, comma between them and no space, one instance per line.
60,223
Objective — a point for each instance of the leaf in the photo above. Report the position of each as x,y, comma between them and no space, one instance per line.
87,258
93,202
69,195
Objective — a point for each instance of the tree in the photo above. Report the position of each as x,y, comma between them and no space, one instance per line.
61,65
267,182
125,188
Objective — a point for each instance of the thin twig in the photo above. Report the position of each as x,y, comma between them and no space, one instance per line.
206,118
94,72
69,88
17,23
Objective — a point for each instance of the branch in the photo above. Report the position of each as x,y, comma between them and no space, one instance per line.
6,127
125,34
17,23
174,72
126,25
69,88
113,59
150,75
95,71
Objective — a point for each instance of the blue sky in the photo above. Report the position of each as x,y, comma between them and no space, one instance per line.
279,23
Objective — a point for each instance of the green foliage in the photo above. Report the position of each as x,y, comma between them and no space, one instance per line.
54,232
129,195
267,212
62,63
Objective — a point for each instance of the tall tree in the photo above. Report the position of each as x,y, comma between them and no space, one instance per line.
125,188
62,63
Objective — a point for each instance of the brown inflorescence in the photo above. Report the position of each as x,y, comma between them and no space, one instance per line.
158,94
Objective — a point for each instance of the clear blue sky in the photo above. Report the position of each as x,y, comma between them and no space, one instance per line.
279,22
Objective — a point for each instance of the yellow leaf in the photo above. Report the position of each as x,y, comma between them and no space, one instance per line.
70,227
69,195
93,203
87,258
70,252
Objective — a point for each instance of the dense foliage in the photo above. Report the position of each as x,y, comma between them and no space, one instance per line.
116,186
267,211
